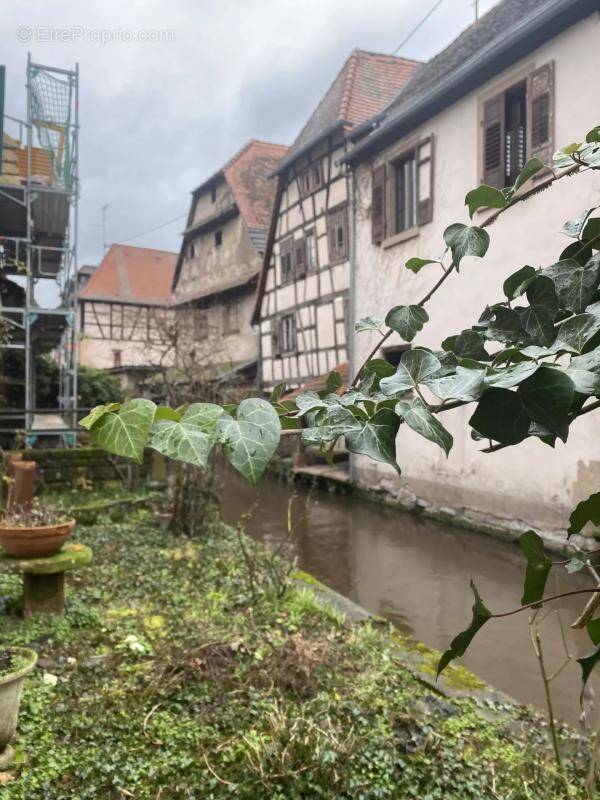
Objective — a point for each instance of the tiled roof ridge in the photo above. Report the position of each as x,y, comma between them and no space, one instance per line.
251,143
138,247
349,83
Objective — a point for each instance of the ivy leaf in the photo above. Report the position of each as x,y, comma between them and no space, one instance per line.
468,344
460,643
547,397
512,376
505,326
333,423
164,412
574,227
484,197
542,292
587,664
125,432
307,401
376,437
538,567
96,413
415,367
575,283
466,241
591,233
593,630
421,420
406,320
538,324
586,382
500,415
190,439
518,282
590,361
586,511
576,332
415,264
465,384
593,135
333,382
251,439
368,324
278,393
529,170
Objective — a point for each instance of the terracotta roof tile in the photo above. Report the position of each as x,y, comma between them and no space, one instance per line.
132,275
318,384
364,86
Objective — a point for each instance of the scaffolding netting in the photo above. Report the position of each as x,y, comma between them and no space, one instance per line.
52,106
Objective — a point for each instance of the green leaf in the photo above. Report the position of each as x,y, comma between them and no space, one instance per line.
593,135
591,233
415,367
307,401
466,241
415,264
538,567
333,382
576,332
541,291
586,382
593,629
575,283
587,664
505,326
406,320
589,361
460,643
468,344
278,393
465,384
376,437
500,415
538,324
125,432
368,324
518,282
586,511
164,412
574,227
421,420
529,170
331,424
190,439
484,197
250,440
96,413
511,376
547,397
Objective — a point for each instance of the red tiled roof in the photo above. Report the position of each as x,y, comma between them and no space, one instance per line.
247,173
129,274
318,384
364,86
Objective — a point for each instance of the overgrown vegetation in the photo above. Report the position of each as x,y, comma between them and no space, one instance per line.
166,680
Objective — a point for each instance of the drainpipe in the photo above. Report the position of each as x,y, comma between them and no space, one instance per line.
351,296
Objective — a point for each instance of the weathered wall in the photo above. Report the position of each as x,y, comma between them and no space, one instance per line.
59,468
530,481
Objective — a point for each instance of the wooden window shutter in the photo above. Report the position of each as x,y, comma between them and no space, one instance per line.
378,204
425,158
493,141
540,97
300,257
331,237
276,336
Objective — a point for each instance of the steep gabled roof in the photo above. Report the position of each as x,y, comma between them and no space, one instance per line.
135,275
365,84
507,33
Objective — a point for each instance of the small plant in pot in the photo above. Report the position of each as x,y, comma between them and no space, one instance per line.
15,664
34,532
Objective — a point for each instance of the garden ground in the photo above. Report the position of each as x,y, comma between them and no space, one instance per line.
180,671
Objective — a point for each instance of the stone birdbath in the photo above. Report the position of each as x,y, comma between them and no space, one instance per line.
15,664
44,578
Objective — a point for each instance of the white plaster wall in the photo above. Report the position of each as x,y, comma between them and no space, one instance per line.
530,481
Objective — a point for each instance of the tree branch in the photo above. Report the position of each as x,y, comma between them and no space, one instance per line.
544,600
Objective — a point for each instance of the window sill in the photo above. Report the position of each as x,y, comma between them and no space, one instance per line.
398,238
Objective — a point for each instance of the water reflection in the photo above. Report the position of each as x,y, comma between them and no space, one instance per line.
416,574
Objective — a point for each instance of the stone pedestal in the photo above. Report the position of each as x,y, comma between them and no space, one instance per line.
44,578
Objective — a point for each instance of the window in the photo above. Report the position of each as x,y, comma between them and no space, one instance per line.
393,354
287,263
288,333
218,238
402,192
517,125
191,251
406,194
337,235
116,358
299,258
231,322
311,178
312,262
213,193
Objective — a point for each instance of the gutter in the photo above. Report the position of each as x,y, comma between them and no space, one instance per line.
526,35
289,159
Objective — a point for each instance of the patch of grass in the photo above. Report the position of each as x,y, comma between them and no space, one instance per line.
173,681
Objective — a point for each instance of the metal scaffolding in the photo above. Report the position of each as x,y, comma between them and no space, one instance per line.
38,241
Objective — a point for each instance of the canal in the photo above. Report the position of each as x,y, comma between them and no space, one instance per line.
416,573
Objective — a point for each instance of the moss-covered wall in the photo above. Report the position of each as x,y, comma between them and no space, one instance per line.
60,467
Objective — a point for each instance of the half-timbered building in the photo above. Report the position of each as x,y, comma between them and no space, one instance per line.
301,303
221,256
125,310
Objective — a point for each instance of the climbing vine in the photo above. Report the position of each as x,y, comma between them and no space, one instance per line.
530,365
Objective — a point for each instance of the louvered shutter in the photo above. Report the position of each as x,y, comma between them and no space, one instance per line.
331,238
424,156
276,336
540,97
300,258
493,141
378,204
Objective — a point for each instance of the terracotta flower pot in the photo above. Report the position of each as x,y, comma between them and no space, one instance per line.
21,660
35,542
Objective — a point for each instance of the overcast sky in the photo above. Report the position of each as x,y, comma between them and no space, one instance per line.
157,117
